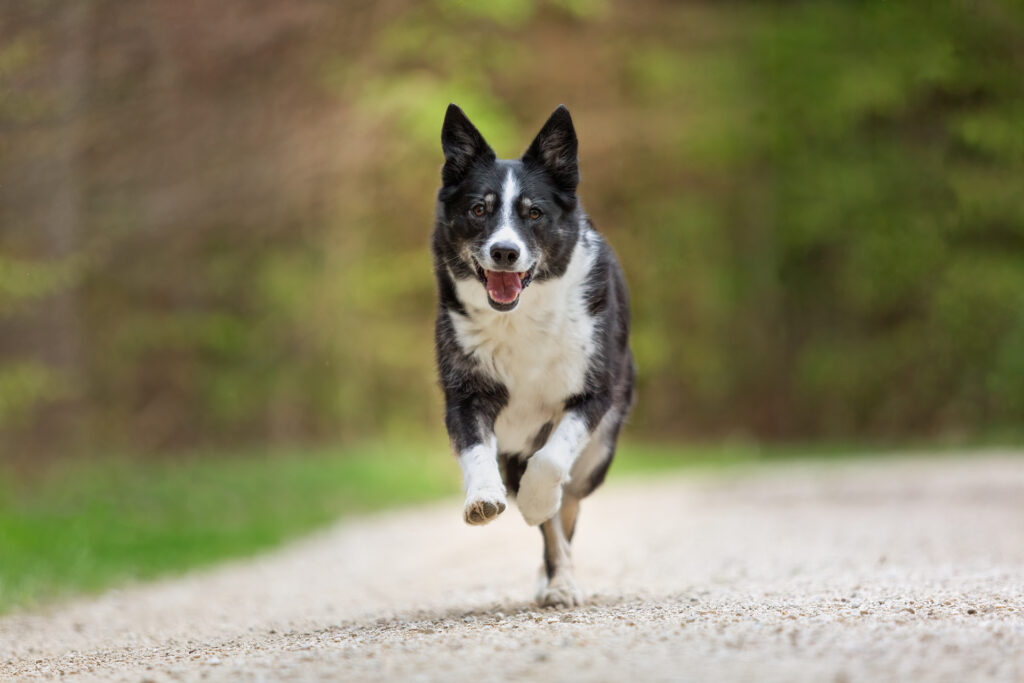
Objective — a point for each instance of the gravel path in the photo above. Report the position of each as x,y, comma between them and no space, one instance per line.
862,571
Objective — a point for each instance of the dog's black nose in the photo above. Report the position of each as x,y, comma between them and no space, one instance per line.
504,253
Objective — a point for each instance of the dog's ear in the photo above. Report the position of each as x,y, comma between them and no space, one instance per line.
554,149
463,146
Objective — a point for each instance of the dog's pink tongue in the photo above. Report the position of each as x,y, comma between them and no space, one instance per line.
503,287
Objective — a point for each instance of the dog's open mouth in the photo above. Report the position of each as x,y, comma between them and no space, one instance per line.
503,287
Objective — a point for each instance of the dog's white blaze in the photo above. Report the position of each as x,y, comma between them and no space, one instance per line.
506,231
509,192
479,466
539,351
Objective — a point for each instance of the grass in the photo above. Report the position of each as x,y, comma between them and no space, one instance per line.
83,525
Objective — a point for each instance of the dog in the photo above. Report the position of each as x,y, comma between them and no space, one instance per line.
532,335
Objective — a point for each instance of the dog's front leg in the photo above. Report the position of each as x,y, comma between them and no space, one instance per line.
540,490
485,492
469,417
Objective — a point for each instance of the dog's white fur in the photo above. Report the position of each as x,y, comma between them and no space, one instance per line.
540,352
485,492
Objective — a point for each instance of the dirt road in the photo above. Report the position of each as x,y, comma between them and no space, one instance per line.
862,571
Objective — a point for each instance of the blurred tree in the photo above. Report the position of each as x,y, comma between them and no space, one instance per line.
214,218
45,204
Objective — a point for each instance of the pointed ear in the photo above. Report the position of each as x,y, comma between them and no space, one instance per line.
554,149
463,146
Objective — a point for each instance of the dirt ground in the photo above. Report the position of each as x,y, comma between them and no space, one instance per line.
907,569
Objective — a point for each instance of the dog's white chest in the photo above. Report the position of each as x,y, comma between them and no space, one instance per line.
540,352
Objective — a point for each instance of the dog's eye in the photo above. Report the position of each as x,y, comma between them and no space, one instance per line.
535,213
478,210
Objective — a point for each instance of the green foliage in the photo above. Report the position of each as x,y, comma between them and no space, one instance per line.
18,55
899,286
817,204
25,386
507,12
23,283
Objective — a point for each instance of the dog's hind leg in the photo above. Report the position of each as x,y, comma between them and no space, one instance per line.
558,587
568,513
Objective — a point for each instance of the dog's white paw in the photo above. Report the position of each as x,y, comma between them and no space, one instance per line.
560,591
540,491
483,505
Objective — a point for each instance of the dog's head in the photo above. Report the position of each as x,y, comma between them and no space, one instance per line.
507,222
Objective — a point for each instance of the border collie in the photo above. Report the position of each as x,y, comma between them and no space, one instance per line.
536,383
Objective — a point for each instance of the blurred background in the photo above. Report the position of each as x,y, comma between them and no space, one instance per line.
214,219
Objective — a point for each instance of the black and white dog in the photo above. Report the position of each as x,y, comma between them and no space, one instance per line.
537,383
